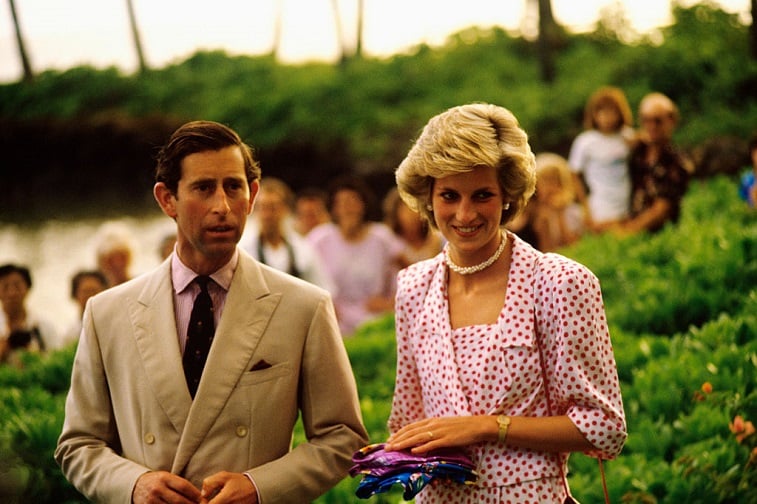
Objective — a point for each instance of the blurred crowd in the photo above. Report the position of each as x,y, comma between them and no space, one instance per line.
617,179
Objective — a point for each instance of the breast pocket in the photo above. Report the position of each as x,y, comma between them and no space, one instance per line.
517,367
259,376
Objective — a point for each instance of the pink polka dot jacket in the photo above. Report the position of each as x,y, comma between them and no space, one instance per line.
553,316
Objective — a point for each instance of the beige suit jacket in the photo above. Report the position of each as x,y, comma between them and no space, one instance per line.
129,411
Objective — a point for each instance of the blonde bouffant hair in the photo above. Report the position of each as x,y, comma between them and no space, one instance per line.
458,141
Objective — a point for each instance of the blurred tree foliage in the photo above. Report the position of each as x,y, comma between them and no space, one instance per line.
310,122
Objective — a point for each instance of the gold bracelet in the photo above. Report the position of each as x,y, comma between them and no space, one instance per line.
503,421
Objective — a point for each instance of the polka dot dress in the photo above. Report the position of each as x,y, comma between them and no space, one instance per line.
553,314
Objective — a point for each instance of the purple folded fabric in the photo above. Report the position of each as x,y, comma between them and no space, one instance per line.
381,469
374,459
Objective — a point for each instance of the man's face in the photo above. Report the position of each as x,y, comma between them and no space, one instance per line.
271,210
210,207
311,212
657,121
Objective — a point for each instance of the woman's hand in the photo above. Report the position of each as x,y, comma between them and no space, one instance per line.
445,432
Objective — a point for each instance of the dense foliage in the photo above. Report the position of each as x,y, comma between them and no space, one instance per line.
313,121
682,307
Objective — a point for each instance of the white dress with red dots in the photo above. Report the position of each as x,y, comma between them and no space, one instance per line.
553,314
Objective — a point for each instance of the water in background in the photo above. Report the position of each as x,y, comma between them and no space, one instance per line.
55,250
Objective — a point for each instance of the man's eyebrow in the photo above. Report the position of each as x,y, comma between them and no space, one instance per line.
235,179
204,180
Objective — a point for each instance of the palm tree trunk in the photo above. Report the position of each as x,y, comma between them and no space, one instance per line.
27,67
753,32
137,39
547,33
339,32
277,29
360,12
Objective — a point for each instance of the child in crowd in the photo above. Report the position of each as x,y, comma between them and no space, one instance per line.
748,183
552,218
556,214
599,159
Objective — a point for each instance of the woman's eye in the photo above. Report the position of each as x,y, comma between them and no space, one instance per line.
483,196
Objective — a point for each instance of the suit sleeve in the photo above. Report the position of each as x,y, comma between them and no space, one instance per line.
330,415
88,444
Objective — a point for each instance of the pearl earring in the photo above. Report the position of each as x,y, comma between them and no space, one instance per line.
506,206
429,208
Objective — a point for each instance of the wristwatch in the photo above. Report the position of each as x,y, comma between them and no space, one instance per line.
503,422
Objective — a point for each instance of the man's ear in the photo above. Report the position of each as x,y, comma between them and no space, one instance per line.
165,198
254,189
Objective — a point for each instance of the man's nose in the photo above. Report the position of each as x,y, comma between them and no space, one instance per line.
221,201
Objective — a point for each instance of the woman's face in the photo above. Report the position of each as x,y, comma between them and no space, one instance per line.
13,291
467,210
607,119
88,286
348,208
409,221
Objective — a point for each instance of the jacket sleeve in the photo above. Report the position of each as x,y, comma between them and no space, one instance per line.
580,368
86,450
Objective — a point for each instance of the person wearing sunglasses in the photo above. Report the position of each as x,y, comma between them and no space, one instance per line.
659,172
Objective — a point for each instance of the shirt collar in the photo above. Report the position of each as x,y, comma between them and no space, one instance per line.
182,275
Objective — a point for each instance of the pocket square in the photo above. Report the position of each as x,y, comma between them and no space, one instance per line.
261,364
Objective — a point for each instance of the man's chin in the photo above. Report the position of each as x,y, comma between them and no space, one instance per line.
220,249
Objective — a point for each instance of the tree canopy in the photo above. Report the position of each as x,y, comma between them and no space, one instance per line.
312,121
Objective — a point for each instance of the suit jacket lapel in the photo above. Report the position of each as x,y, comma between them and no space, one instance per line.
158,345
249,306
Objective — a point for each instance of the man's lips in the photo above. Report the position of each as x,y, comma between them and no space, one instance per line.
221,229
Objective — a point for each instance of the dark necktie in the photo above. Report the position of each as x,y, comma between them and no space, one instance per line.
199,335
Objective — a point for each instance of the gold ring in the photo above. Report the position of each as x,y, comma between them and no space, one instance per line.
430,435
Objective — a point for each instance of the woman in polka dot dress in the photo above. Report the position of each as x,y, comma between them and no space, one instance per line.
502,351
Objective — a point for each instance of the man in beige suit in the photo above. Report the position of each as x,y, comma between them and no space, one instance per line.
135,432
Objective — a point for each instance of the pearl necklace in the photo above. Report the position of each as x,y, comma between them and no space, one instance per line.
469,270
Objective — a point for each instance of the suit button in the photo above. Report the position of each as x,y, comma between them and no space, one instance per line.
149,438
241,431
